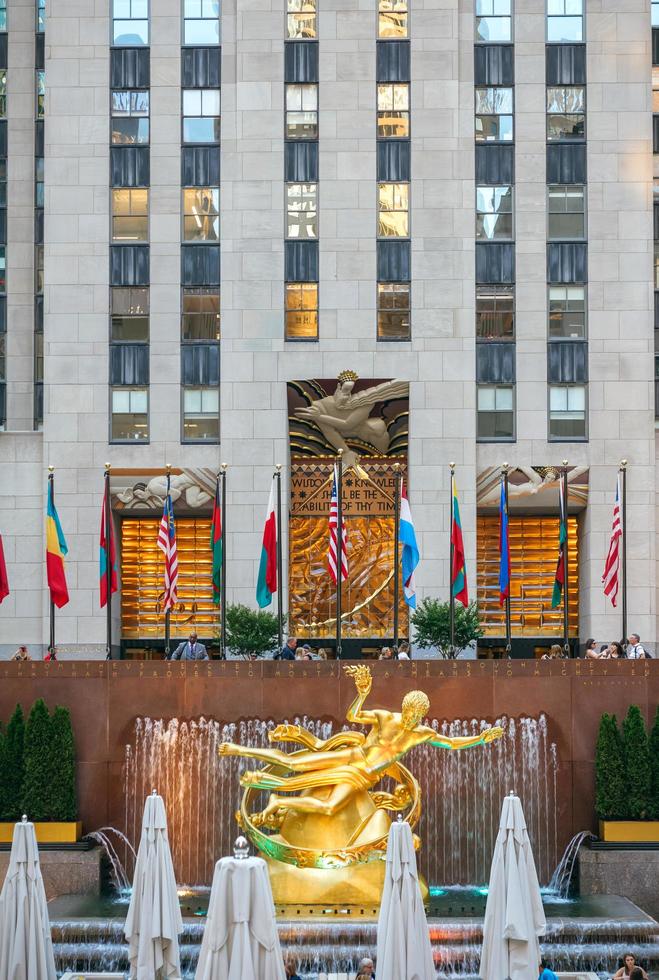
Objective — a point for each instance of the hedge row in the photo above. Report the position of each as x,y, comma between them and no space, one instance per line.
37,765
627,768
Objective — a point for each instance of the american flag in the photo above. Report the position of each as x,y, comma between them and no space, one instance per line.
333,520
167,544
612,566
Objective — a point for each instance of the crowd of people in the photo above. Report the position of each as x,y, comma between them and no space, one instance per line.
632,650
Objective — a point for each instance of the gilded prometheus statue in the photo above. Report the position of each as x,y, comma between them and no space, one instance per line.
335,818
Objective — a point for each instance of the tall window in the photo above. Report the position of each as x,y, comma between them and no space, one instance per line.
567,312
494,213
3,15
494,115
301,311
129,414
301,20
493,20
130,23
495,417
495,312
41,93
394,110
129,322
567,212
200,314
3,376
301,211
564,21
130,117
392,18
393,207
130,214
41,15
655,13
201,22
566,112
201,214
302,112
393,311
201,115
567,412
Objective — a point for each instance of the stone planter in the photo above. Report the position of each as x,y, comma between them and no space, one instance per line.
629,831
51,832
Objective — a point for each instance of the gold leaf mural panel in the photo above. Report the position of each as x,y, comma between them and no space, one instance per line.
367,596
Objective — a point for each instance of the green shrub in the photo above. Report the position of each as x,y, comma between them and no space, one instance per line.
654,767
12,768
610,793
432,625
63,804
36,796
637,764
251,632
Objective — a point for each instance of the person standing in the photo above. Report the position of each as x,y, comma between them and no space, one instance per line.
22,654
590,653
634,649
404,652
190,650
288,651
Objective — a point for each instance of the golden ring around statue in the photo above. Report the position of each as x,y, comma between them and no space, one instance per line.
407,794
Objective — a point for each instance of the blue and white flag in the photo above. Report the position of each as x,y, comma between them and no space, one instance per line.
410,556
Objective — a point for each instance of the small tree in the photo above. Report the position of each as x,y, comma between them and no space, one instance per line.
12,768
64,804
36,798
654,767
637,764
432,624
251,632
610,791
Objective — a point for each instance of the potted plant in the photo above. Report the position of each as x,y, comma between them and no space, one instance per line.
42,754
627,779
432,624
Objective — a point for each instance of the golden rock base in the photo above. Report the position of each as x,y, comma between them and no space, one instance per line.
359,884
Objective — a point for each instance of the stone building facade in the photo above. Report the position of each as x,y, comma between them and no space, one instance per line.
591,403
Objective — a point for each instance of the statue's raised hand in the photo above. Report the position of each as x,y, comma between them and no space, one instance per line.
362,677
491,734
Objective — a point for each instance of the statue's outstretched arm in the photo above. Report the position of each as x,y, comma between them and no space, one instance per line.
465,741
362,677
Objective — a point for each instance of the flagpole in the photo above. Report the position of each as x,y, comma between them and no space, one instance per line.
398,476
450,562
108,564
566,595
167,647
623,509
504,471
280,584
223,564
51,491
339,549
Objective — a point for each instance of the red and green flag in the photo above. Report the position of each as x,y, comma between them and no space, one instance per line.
559,580
459,566
216,546
267,580
106,544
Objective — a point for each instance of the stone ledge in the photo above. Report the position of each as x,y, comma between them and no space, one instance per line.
66,872
623,871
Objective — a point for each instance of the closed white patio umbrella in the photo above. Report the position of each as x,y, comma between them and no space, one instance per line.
514,916
241,941
404,951
26,949
154,922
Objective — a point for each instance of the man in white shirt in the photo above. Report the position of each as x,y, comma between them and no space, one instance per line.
634,649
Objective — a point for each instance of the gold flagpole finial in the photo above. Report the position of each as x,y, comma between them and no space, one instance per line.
51,469
224,467
278,467
564,462
505,467
623,464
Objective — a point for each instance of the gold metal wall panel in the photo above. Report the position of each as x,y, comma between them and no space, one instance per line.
533,558
142,579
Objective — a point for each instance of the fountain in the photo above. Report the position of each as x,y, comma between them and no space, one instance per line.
463,792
